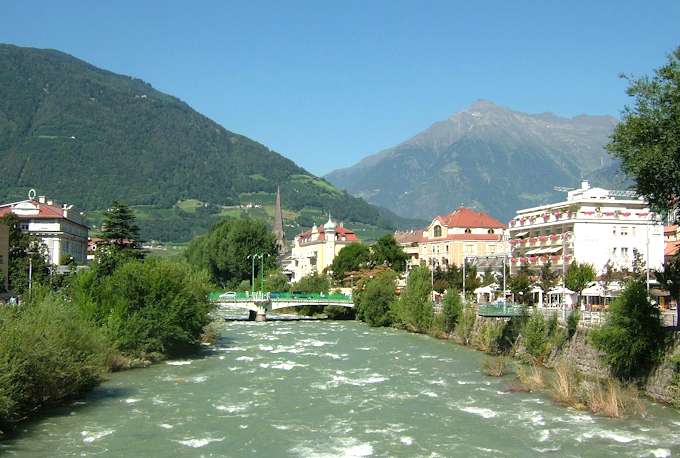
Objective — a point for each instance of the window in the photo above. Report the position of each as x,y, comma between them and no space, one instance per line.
447,248
468,230
624,251
624,232
491,231
614,251
492,249
437,231
614,230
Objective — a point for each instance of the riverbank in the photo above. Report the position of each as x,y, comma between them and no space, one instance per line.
56,346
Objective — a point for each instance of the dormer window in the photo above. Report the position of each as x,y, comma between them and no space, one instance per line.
437,231
468,230
490,231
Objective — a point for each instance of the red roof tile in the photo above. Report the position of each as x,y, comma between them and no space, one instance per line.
339,230
465,217
45,211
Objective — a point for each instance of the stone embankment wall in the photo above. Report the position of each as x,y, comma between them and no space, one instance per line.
587,359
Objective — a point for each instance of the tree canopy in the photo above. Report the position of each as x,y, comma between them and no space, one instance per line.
350,258
386,251
632,338
579,276
225,249
647,141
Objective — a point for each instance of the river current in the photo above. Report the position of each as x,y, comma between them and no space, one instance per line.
330,389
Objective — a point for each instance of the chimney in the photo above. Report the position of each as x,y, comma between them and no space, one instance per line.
585,185
50,202
41,199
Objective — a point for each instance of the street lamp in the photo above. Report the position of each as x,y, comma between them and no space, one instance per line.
252,270
262,256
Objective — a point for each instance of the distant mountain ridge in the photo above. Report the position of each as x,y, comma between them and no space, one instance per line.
488,157
88,136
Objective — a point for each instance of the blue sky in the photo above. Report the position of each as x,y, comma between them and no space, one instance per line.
327,83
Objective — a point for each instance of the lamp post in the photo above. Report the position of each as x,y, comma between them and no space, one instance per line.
262,256
252,257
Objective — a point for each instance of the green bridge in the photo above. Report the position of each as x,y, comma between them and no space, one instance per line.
259,302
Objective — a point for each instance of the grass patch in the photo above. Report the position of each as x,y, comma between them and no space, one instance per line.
495,366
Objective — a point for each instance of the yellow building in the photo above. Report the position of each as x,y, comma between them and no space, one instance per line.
4,256
451,238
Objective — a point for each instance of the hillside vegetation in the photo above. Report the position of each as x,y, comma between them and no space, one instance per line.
88,136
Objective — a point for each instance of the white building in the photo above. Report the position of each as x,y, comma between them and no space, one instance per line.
593,225
314,250
59,227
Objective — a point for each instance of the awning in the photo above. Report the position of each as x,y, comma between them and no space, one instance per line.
522,234
553,250
533,252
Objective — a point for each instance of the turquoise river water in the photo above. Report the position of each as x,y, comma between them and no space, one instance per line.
330,389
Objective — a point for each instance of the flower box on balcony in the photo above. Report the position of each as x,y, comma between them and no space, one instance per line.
554,258
532,240
522,241
624,213
554,237
544,258
589,213
532,259
557,215
543,238
513,260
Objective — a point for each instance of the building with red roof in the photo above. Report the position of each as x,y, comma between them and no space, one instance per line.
59,227
314,250
450,238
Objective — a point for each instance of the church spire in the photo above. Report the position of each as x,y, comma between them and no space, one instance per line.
280,235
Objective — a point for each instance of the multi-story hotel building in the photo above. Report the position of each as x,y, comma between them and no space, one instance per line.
449,239
593,225
314,250
4,258
60,228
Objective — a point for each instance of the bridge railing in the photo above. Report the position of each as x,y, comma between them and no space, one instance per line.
239,296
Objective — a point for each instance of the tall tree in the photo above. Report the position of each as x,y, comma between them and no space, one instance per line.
579,276
647,141
374,296
386,251
119,224
225,249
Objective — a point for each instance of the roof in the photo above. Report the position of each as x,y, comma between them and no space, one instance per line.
349,234
465,217
671,248
672,229
405,237
45,211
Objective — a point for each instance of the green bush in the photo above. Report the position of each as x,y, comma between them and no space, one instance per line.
632,338
374,301
414,307
535,336
572,323
452,305
48,352
155,306
465,325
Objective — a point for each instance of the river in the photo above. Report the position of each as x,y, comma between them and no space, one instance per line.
330,389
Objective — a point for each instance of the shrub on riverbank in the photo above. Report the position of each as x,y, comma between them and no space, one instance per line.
495,366
373,298
48,352
414,310
155,306
632,338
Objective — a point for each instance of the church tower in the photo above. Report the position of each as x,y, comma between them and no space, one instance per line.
281,245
